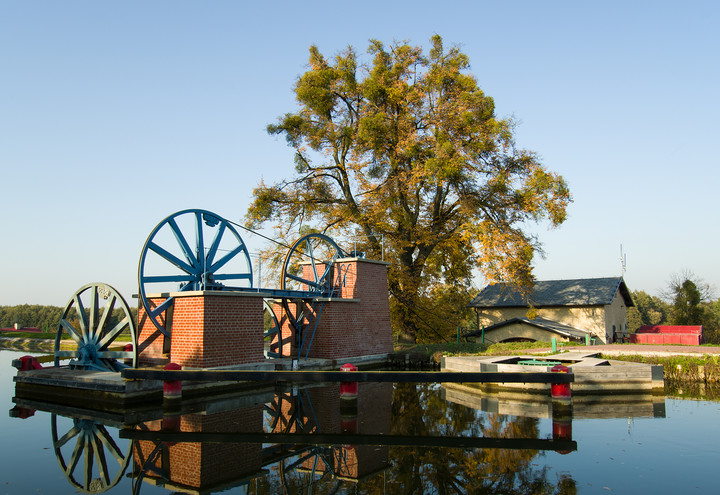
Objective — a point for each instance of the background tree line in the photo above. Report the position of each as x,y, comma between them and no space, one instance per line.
46,318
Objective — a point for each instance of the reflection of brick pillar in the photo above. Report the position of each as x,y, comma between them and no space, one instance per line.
207,465
208,329
374,414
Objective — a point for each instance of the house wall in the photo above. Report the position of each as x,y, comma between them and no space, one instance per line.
521,331
591,319
616,319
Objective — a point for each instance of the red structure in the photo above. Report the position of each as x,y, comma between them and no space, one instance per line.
668,334
208,328
356,323
211,329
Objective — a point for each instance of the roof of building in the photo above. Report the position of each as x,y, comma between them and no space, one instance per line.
575,292
543,323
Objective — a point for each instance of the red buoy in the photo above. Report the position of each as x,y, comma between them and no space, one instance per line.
172,389
348,390
560,391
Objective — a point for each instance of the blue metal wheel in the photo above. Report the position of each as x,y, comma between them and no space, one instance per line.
190,250
99,322
309,265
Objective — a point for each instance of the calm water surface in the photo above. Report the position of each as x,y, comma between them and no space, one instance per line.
311,441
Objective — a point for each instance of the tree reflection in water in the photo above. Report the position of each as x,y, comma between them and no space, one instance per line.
420,410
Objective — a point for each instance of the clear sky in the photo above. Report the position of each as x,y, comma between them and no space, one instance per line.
115,114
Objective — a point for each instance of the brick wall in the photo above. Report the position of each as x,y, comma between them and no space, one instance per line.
341,329
208,329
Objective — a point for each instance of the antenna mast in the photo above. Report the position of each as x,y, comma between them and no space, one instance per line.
623,261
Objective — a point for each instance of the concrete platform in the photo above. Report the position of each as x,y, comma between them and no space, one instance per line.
592,374
108,391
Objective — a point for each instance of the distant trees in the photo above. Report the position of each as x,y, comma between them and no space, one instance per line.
46,318
688,300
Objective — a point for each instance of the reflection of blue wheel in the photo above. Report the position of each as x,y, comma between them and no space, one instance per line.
191,250
94,328
85,449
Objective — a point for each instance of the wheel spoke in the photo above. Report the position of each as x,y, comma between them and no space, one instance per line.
93,328
75,457
112,334
182,265
72,433
110,444
200,242
109,308
215,244
65,354
71,330
158,310
311,254
82,316
191,258
309,283
88,458
222,261
100,459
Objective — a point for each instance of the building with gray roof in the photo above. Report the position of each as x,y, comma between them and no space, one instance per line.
594,306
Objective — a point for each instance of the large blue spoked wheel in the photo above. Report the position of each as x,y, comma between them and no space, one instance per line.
99,322
190,250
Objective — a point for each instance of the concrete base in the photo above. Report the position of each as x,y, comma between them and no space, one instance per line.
592,375
104,391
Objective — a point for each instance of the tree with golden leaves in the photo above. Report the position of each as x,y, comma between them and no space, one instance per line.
408,151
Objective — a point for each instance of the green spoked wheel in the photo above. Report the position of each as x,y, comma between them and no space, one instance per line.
88,453
102,329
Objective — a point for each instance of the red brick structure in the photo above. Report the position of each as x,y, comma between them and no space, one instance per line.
668,334
209,329
225,328
356,323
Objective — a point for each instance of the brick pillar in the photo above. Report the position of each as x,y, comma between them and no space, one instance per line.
359,323
208,329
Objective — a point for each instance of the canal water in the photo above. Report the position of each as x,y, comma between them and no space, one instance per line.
391,438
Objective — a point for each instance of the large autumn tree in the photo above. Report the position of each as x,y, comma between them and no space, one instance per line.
407,150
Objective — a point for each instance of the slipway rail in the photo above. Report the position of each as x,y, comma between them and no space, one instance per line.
330,439
345,376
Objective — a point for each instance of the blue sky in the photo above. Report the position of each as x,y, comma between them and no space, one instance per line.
114,115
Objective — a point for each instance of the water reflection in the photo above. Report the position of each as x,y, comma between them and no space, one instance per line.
402,438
